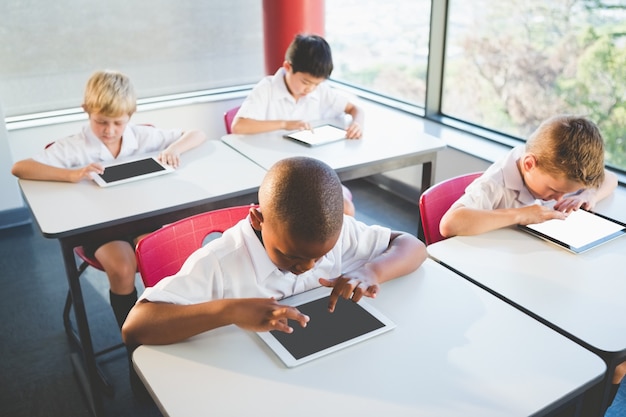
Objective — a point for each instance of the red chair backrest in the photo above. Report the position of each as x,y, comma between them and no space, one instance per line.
163,252
229,116
435,201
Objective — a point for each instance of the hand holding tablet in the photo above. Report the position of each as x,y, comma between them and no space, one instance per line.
326,332
123,172
580,231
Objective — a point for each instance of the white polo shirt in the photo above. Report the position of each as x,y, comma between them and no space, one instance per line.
270,100
84,148
500,186
237,266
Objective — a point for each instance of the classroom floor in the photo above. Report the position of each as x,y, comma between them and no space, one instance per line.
36,376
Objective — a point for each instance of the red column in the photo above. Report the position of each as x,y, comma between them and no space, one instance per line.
284,19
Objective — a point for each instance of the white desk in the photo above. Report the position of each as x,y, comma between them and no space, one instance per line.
212,172
457,351
395,142
211,176
581,295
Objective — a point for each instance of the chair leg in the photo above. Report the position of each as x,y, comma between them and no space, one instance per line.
67,323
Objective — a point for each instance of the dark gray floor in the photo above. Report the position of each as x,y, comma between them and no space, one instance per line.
36,376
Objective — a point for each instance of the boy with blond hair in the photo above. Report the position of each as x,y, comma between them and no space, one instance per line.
561,167
110,101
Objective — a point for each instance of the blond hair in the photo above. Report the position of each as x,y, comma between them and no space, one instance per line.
569,146
110,93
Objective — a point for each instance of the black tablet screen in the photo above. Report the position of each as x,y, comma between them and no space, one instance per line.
131,169
325,329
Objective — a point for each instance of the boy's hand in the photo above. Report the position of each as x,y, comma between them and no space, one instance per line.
296,125
84,173
585,200
354,131
265,314
351,287
538,214
170,158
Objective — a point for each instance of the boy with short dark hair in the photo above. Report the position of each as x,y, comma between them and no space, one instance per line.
297,239
297,94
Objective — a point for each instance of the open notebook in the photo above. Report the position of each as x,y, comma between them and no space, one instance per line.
325,332
580,231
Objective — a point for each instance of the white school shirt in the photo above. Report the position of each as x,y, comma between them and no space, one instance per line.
237,266
500,186
84,148
270,100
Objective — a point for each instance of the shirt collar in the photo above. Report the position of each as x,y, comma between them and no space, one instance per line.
513,179
129,144
263,266
280,91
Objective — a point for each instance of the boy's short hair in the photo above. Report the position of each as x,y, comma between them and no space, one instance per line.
571,146
310,54
305,195
110,93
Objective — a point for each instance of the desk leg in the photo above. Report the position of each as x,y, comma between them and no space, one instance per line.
427,175
427,181
89,375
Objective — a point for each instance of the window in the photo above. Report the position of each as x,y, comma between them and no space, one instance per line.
510,65
506,66
49,49
380,46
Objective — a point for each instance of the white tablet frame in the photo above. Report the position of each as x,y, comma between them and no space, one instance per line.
290,361
102,183
300,136
538,231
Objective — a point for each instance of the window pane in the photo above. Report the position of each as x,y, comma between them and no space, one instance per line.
50,48
510,65
380,46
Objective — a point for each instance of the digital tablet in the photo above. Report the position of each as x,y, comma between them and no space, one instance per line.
325,332
318,136
579,232
123,172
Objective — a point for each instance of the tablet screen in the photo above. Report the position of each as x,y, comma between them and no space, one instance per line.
580,231
326,332
131,169
318,136
123,172
326,329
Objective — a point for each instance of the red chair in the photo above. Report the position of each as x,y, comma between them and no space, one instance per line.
435,201
229,116
163,252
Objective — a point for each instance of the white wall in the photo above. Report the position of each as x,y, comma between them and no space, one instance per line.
9,190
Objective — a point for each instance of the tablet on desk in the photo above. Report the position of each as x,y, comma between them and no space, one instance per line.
123,172
325,332
579,232
318,136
